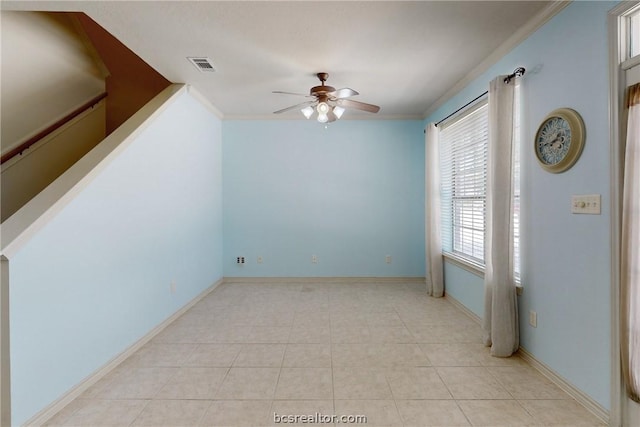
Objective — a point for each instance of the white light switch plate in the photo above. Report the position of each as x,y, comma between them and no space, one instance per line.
586,204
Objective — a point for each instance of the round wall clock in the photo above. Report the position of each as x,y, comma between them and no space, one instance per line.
559,140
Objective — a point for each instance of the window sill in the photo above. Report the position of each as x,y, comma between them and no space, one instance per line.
463,263
472,268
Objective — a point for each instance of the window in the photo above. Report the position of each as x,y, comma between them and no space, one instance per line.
634,34
463,165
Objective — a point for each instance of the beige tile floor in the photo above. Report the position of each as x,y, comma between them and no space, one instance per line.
383,350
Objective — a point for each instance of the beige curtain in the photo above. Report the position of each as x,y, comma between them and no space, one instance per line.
433,242
630,251
500,320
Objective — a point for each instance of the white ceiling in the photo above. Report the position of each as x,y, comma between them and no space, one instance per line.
402,56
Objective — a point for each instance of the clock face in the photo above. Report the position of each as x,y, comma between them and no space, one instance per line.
559,140
553,141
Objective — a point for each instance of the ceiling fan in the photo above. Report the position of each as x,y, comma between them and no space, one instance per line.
327,101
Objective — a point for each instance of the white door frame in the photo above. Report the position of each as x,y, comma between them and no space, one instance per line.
5,372
621,413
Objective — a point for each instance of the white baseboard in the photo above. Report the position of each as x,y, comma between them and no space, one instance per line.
463,309
591,405
43,416
323,279
47,413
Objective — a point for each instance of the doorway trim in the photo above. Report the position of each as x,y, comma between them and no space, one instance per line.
617,29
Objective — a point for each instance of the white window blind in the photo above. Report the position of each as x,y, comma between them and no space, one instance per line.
463,165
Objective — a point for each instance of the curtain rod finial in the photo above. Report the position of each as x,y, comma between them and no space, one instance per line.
518,72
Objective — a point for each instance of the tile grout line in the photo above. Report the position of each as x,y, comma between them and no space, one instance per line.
373,297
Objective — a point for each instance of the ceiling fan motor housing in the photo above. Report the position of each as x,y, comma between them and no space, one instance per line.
322,91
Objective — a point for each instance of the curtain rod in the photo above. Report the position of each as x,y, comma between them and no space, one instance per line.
518,72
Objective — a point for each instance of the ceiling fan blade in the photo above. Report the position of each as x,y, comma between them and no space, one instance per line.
293,107
292,93
345,92
348,103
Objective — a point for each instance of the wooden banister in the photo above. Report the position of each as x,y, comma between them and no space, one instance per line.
49,129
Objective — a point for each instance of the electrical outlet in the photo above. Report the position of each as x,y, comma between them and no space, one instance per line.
314,259
388,259
173,287
240,260
259,259
533,318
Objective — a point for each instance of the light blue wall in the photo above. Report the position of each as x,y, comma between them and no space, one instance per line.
97,277
566,258
467,288
351,194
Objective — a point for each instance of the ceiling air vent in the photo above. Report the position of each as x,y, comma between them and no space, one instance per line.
202,64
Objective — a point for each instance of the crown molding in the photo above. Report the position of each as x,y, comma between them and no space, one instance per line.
204,101
507,46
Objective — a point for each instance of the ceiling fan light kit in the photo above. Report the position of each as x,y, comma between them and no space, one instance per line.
329,103
338,111
323,109
307,111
